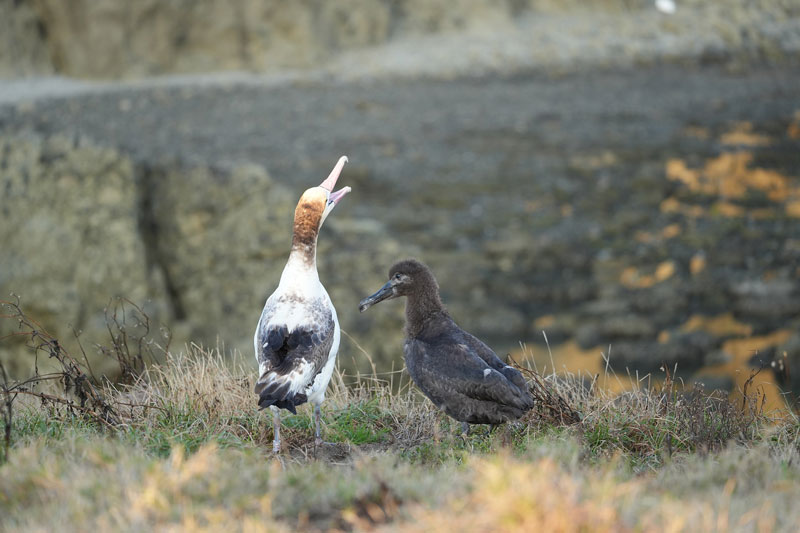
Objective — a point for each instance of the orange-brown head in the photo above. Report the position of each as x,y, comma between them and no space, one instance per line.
314,207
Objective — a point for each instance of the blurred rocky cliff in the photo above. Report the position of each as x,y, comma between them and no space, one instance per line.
602,171
103,39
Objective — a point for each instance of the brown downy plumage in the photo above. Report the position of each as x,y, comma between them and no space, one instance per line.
307,217
460,374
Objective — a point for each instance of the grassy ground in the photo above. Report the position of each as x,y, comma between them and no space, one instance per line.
183,448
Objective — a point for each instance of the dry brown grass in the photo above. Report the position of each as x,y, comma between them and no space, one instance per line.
189,451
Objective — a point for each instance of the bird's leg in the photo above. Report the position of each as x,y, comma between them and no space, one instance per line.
508,438
317,437
464,435
276,425
503,435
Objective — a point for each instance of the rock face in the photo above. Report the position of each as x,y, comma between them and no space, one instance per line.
70,218
653,210
218,236
523,149
23,41
199,248
120,39
108,38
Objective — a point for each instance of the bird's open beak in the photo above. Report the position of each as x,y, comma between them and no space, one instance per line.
384,293
330,182
334,197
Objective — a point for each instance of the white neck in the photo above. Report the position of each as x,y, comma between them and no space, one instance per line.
299,275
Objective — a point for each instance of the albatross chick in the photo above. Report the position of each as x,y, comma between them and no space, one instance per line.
460,374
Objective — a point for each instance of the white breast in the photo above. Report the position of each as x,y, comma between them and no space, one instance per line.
316,393
296,303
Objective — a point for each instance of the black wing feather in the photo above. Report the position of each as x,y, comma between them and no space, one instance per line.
487,354
276,337
287,355
452,376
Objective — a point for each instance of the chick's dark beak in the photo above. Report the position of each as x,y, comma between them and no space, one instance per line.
384,293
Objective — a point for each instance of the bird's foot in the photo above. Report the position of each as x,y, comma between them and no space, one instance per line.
276,447
319,442
324,449
463,435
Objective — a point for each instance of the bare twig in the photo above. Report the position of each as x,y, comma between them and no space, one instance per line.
129,331
92,401
8,401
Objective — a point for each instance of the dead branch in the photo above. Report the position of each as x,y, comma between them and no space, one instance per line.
549,405
8,401
75,381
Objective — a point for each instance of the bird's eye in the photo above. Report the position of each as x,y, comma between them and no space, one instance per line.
397,276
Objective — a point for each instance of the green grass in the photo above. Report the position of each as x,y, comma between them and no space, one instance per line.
198,456
357,424
362,423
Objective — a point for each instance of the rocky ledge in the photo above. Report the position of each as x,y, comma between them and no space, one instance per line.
651,210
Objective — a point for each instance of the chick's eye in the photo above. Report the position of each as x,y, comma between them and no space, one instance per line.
397,276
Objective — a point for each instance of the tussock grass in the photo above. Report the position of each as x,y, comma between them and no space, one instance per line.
201,392
186,449
82,482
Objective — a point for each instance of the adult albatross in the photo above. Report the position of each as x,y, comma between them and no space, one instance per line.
460,374
297,337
